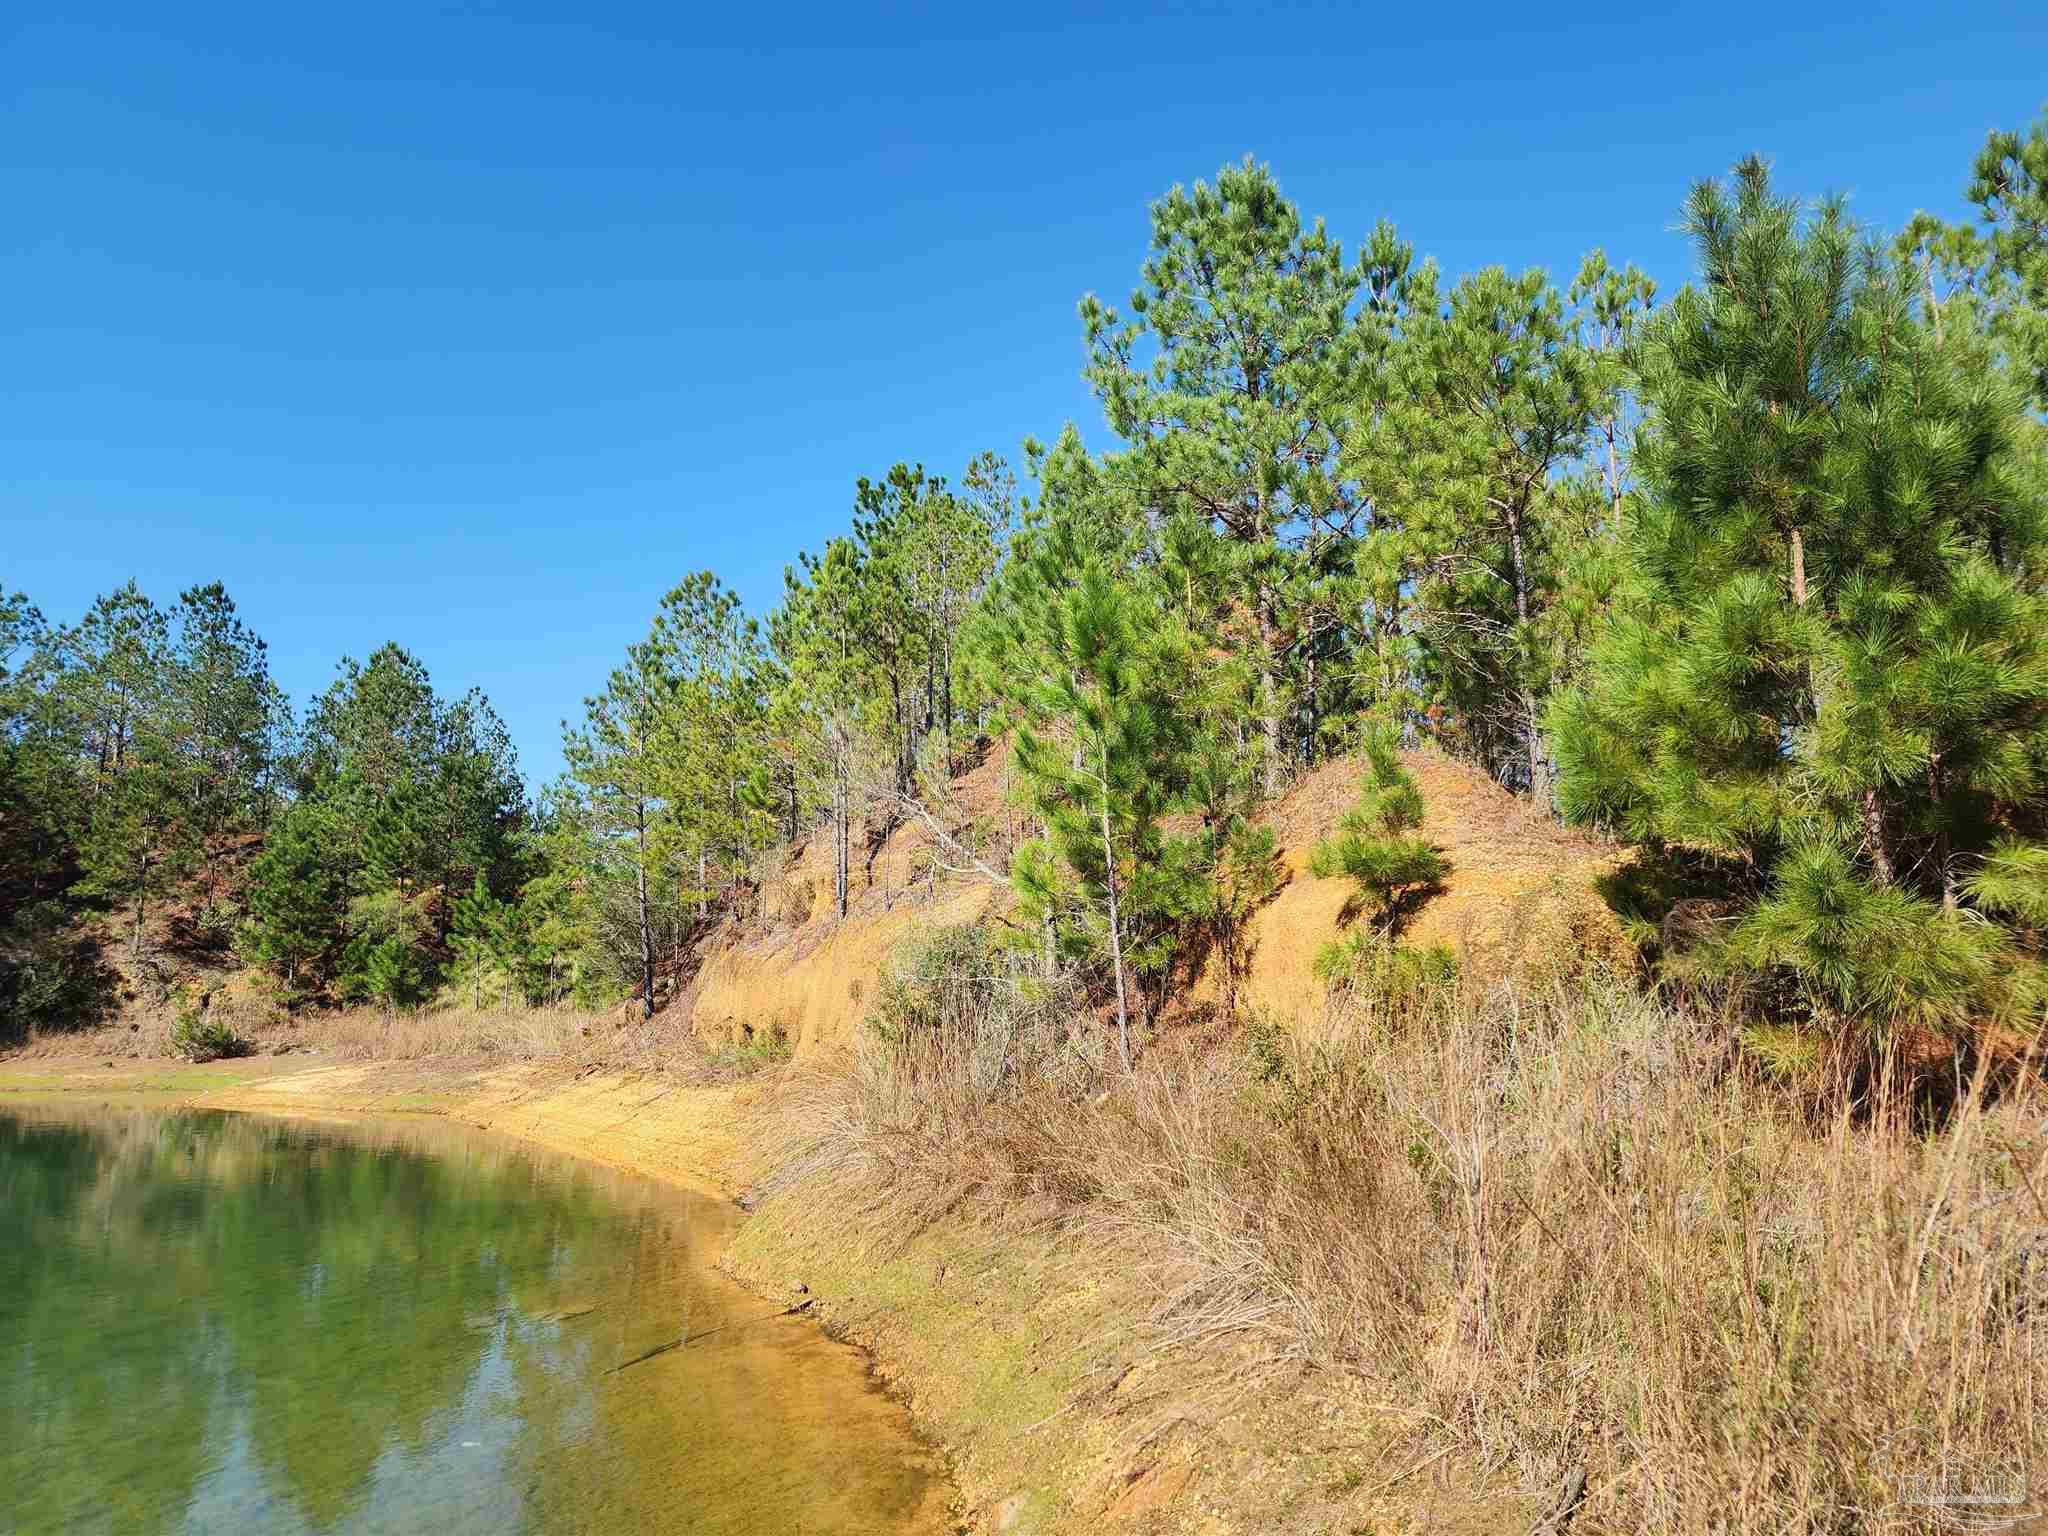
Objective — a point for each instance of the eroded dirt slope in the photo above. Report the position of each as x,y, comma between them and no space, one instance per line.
1521,899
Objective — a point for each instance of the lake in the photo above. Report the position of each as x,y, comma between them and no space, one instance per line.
215,1323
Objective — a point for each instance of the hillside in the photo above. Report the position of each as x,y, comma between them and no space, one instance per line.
1521,899
1440,1288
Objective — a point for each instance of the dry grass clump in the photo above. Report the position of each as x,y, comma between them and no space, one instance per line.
1541,1222
356,1034
370,1034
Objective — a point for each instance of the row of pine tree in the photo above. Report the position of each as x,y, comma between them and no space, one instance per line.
1755,577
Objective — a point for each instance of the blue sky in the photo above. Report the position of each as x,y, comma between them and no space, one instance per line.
477,327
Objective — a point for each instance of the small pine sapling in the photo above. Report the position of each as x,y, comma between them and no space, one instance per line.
1374,845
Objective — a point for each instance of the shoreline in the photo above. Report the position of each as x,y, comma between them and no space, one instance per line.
991,1343
1020,1355
547,1105
598,1116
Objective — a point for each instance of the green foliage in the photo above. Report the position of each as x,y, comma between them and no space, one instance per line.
1874,952
1103,746
1373,846
386,960
1993,280
400,795
1234,379
759,1049
960,996
561,908
1488,399
51,977
138,840
1763,574
2013,881
198,1035
492,958
1831,665
430,782
1367,966
296,887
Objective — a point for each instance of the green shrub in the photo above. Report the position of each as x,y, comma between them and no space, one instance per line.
961,994
200,1036
1373,846
766,1047
50,976
1367,966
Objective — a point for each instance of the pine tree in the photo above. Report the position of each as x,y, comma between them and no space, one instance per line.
559,913
138,833
824,705
387,959
1374,845
1610,307
1829,680
710,736
490,945
297,891
140,840
1103,749
418,794
1235,861
1490,401
1233,380
613,758
112,677
43,791
2009,185
227,713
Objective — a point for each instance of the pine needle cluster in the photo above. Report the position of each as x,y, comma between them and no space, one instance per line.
1829,679
1374,845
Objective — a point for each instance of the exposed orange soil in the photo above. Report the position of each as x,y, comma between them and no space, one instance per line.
1520,900
800,969
653,1124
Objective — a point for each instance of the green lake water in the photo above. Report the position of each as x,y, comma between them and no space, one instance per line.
216,1323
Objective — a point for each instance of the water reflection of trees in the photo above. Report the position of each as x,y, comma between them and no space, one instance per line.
212,1322
165,1276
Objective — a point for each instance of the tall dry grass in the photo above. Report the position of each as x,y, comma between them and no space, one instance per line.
416,1034
1543,1223
355,1034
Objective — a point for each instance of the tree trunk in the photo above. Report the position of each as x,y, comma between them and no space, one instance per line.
1613,475
1944,848
1228,936
946,706
141,898
646,924
1874,838
905,752
1539,760
1269,690
1308,746
1798,543
1539,767
1927,283
1116,943
841,812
